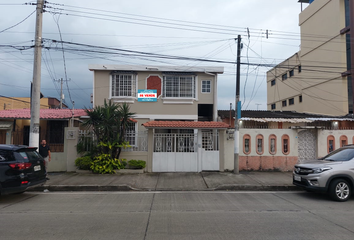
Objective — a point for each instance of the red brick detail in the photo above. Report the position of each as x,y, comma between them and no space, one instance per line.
290,163
254,163
279,163
267,163
242,163
154,82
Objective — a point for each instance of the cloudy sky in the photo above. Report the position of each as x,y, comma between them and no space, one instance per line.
197,29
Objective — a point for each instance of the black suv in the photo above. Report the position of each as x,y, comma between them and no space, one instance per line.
20,168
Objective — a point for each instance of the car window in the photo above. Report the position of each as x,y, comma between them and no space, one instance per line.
27,156
340,155
6,156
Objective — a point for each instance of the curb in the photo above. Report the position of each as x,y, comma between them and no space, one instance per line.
81,188
256,188
96,188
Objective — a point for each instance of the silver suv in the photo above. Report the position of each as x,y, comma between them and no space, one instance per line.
333,174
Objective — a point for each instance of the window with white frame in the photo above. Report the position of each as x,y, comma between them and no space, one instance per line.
206,86
130,133
123,85
182,86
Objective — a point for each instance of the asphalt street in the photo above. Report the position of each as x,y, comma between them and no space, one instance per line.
183,215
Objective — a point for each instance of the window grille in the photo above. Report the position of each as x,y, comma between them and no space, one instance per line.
123,85
179,86
175,142
206,88
130,133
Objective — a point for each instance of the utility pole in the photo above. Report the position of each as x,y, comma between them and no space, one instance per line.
61,92
258,105
36,90
237,106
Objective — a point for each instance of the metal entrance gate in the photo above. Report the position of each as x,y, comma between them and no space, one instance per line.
307,146
178,152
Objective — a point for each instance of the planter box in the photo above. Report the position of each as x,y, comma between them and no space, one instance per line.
117,171
83,171
127,170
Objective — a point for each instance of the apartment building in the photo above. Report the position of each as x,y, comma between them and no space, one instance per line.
318,78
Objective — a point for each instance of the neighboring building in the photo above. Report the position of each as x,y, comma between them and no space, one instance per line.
177,124
60,127
318,78
277,140
23,102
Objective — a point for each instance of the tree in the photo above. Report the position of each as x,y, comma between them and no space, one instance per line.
109,123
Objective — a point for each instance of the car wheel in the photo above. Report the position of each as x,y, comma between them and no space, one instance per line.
340,190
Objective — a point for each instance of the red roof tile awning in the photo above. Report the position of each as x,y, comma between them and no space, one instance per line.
43,113
185,124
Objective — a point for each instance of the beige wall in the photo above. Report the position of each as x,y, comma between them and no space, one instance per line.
155,110
20,103
322,58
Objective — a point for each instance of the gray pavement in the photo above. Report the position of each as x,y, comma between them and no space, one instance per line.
204,181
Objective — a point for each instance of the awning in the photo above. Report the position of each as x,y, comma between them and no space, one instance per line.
185,125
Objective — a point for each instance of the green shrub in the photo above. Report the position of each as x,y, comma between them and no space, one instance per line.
139,164
83,163
124,162
104,163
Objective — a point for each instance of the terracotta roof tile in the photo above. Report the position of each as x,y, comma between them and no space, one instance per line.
44,113
185,124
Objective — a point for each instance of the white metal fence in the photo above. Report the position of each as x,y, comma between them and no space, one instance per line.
137,140
210,141
175,142
185,142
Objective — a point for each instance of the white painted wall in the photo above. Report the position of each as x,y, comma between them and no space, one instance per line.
322,139
266,133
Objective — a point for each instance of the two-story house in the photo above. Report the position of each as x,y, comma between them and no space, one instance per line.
175,108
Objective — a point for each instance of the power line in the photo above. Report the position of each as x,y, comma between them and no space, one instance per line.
18,22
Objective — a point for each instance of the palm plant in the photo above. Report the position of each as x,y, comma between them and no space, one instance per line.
109,123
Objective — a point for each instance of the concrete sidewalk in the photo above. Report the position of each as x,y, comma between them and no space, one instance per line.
205,181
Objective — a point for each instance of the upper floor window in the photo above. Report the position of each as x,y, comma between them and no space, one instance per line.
291,101
283,103
273,106
272,83
259,142
206,86
284,76
291,73
246,144
285,144
123,85
179,86
300,98
272,144
299,68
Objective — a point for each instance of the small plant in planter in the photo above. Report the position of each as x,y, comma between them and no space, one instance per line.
84,163
104,163
137,164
